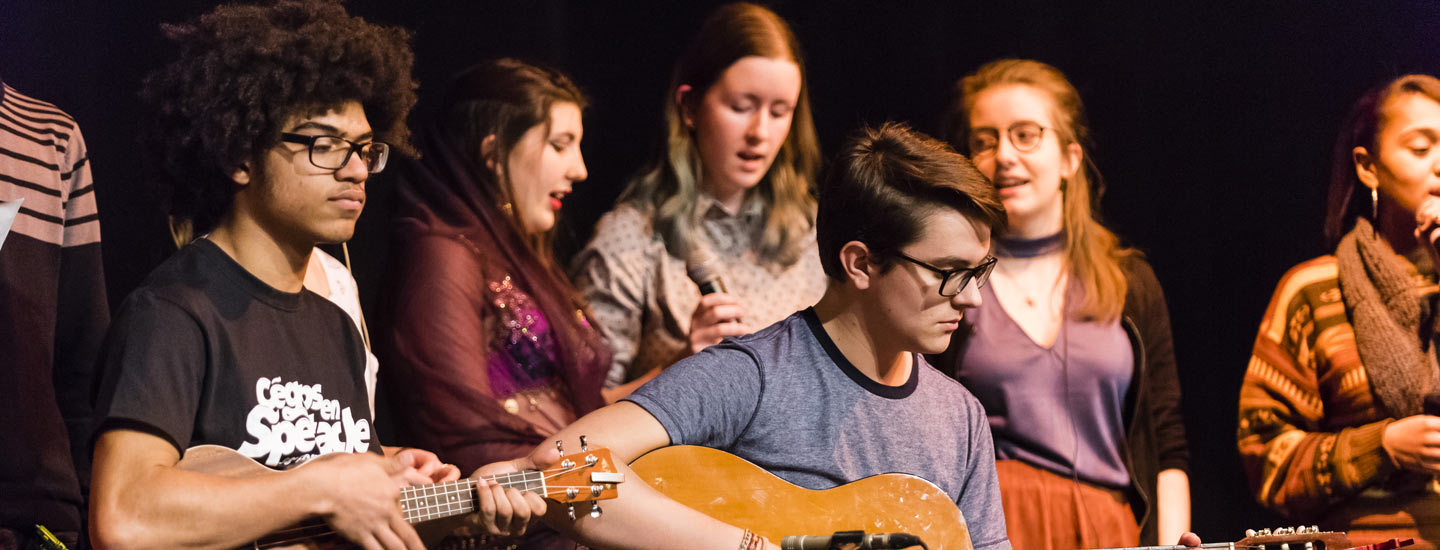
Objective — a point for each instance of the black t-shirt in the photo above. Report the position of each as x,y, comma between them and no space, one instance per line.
205,353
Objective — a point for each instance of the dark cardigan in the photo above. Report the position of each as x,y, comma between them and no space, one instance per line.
1155,430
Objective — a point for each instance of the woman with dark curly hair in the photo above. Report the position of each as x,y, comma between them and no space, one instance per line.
489,348
266,128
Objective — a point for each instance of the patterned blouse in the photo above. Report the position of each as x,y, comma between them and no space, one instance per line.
642,298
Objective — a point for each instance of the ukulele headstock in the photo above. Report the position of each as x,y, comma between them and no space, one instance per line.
587,476
1294,538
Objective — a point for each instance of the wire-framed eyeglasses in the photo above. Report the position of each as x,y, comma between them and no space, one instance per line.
1024,136
333,152
952,281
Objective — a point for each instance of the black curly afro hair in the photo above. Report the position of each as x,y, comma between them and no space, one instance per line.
242,70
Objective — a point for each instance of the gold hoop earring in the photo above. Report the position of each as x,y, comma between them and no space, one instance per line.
1375,210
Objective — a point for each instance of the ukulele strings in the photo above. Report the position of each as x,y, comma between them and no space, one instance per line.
323,529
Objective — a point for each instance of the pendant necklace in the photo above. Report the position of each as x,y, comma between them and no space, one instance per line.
1011,247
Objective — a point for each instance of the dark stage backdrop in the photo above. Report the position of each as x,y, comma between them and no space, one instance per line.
1213,127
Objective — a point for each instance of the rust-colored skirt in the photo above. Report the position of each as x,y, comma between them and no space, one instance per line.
1045,511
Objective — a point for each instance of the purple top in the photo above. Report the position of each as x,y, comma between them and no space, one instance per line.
1023,387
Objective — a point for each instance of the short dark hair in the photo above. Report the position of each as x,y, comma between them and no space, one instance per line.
241,70
883,184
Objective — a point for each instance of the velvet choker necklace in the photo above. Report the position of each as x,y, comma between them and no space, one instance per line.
1011,247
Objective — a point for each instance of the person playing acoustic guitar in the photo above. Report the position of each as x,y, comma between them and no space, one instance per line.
264,133
834,393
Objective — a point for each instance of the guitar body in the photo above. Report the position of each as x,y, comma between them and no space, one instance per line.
735,491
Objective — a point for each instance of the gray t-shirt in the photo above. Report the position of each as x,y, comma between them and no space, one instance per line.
786,399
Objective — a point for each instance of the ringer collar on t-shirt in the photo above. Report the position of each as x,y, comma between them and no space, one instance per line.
889,392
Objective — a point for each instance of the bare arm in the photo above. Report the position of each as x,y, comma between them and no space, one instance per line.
1173,499
641,518
141,500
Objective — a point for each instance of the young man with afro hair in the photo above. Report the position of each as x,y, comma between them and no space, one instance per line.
264,132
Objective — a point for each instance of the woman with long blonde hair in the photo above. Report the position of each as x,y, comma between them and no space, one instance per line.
730,196
1071,350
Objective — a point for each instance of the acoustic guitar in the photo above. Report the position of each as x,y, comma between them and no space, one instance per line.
589,475
733,490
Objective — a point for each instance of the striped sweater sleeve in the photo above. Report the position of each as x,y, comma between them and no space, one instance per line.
1309,431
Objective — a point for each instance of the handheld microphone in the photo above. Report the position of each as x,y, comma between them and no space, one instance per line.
702,267
1432,404
882,541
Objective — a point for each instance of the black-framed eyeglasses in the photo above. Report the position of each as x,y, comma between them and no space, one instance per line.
333,152
1024,137
952,281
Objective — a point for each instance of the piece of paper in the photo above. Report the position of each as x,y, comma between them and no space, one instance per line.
8,210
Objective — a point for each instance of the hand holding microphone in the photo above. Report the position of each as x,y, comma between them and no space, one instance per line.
718,315
1427,221
1427,226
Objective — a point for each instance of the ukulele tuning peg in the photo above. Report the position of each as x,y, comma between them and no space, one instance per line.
584,446
571,512
1251,532
595,510
560,446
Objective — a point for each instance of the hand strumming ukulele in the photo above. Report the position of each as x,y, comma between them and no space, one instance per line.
589,475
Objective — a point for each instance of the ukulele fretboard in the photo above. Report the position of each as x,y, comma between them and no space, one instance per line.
453,498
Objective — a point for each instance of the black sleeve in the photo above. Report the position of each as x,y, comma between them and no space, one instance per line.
81,319
153,369
1152,318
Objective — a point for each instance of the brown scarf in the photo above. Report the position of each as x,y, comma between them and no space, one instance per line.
1386,312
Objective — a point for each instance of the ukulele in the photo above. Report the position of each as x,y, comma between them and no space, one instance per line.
587,476
733,490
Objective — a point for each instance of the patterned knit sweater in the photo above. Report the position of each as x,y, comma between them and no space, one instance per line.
1310,428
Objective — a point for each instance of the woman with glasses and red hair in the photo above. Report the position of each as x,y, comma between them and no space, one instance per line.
1070,351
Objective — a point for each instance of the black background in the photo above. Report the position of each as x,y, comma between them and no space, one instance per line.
1213,126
